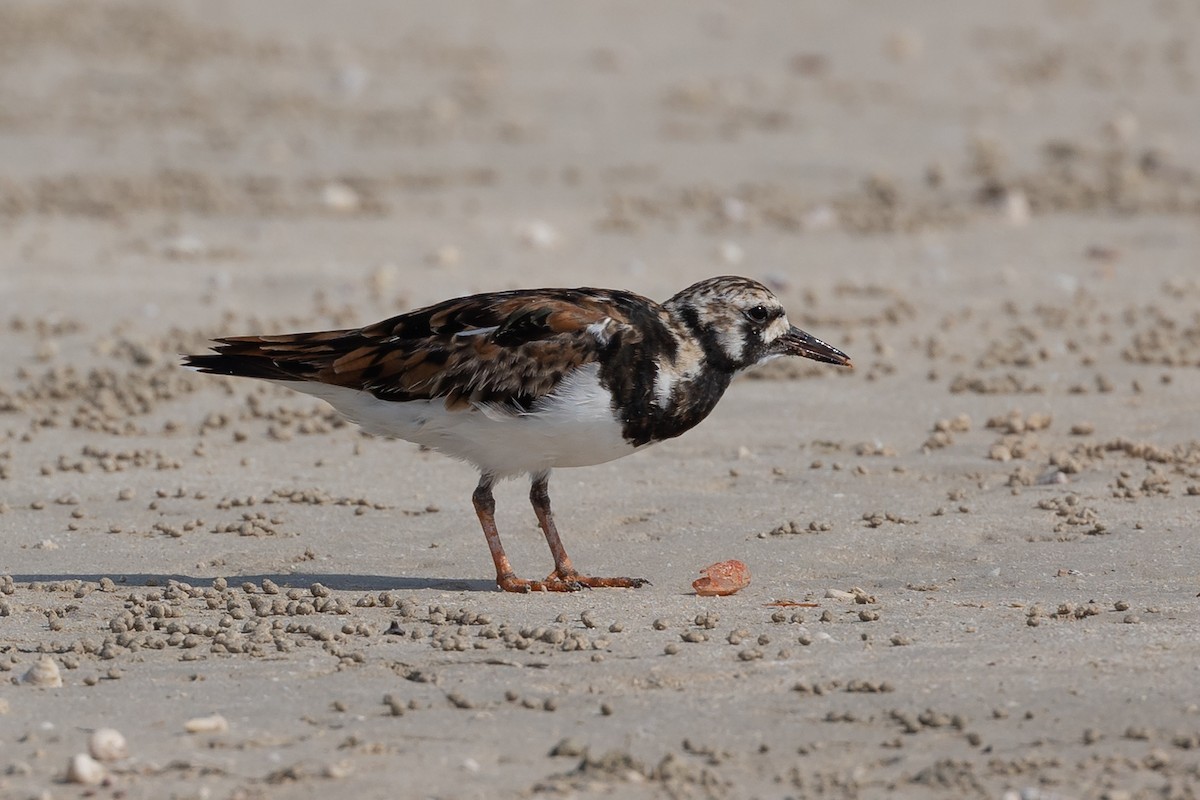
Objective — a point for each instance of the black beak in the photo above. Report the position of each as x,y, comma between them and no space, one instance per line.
798,343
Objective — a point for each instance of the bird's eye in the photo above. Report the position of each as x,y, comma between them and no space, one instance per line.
758,314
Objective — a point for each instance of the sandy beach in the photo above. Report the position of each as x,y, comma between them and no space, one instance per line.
974,557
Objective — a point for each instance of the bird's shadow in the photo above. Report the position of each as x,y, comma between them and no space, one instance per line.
294,580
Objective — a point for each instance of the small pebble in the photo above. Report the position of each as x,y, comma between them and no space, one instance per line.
571,748
214,723
731,252
84,769
459,701
340,197
539,235
395,705
44,673
107,744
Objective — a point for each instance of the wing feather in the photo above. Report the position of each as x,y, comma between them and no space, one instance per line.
504,349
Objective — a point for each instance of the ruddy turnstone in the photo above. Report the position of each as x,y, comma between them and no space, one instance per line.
521,382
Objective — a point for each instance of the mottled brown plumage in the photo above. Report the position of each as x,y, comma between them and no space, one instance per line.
506,348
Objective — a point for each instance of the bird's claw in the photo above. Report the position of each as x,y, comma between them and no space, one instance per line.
573,582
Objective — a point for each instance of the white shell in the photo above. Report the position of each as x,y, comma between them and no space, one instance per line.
213,723
107,744
86,770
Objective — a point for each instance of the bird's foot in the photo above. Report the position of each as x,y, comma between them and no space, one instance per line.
588,582
570,582
511,583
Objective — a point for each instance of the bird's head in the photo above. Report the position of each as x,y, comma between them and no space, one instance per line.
740,323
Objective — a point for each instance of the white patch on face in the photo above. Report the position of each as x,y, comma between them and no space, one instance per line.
778,328
732,342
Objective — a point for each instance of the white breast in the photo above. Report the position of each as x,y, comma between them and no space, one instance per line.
575,426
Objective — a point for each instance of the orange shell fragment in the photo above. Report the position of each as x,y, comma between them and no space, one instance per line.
722,578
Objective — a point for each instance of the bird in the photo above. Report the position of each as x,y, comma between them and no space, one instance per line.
521,382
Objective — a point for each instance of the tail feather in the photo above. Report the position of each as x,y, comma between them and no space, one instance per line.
293,357
240,365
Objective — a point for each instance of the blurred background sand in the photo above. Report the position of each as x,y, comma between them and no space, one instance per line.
990,524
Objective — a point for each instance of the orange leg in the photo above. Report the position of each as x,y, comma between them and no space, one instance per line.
539,498
506,579
564,578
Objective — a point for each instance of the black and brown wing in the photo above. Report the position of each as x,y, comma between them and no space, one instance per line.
506,348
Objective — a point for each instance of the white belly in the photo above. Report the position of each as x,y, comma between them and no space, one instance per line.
573,427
